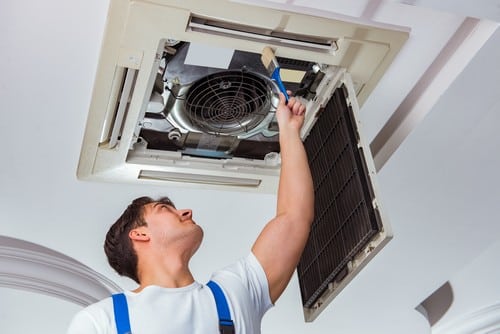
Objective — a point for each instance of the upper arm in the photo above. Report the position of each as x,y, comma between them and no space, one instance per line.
278,249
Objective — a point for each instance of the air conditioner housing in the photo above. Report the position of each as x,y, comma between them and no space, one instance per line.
141,70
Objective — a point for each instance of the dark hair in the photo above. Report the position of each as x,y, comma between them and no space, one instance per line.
118,246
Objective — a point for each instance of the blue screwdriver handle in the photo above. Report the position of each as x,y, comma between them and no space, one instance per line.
277,77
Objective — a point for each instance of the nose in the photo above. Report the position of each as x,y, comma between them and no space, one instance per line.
186,214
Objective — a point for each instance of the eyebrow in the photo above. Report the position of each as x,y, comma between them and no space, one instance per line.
162,203
157,203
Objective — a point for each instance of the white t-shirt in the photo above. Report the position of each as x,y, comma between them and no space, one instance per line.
187,310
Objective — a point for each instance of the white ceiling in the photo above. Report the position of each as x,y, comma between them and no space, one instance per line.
440,188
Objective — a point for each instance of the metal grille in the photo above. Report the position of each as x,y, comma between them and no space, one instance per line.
229,102
345,220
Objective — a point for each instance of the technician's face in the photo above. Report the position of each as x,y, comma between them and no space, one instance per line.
172,227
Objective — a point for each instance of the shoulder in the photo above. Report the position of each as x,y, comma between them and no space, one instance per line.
245,281
95,318
245,268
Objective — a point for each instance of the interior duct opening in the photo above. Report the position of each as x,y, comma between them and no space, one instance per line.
216,113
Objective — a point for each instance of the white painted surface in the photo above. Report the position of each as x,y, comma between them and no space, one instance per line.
440,188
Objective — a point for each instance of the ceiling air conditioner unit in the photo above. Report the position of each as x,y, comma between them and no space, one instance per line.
181,95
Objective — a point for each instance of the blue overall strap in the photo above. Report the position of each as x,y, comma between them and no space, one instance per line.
226,325
120,309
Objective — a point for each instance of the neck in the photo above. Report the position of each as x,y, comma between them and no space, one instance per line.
166,273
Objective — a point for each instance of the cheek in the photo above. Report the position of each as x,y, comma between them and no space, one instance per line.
158,233
164,234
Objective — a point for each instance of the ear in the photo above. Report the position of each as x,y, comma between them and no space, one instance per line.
139,234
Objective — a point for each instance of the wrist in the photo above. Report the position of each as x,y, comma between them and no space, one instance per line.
289,130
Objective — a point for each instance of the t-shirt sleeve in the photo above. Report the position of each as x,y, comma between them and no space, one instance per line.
257,283
249,272
82,323
94,319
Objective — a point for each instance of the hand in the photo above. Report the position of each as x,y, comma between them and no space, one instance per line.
290,116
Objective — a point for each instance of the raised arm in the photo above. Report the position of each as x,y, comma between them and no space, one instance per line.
280,244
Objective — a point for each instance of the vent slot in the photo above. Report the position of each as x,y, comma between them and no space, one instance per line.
115,92
345,219
256,34
121,94
198,178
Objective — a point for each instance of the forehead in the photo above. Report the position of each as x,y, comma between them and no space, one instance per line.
149,209
164,200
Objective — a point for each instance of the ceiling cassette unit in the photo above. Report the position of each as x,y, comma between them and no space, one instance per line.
181,95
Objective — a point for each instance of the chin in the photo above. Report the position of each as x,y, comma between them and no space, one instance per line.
199,237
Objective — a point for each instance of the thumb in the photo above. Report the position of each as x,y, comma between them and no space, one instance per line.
282,99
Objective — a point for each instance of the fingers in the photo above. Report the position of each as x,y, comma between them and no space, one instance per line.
295,106
298,108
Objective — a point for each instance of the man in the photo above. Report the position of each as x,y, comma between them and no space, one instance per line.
153,242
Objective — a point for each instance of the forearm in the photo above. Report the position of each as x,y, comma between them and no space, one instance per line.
295,192
281,242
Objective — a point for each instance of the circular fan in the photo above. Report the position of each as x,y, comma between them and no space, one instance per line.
228,102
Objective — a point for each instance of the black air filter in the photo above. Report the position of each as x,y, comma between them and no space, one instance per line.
345,220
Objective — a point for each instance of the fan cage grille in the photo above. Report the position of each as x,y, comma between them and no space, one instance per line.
228,102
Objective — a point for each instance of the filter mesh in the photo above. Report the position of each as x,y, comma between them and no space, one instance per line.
345,220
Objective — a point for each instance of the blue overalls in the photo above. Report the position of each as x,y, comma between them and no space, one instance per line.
226,325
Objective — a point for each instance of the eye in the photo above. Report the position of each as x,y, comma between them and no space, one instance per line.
166,206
